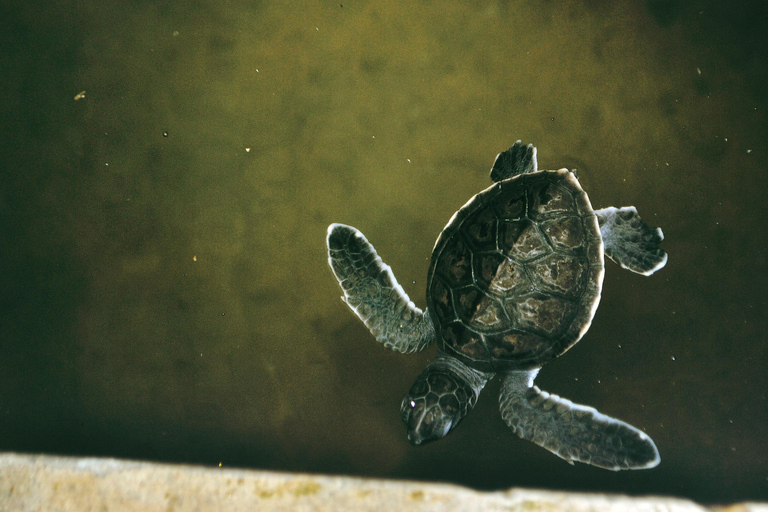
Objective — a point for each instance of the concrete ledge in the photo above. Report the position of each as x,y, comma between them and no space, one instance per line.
40,482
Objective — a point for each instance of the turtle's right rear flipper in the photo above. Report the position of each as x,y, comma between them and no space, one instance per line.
629,241
571,431
516,160
372,292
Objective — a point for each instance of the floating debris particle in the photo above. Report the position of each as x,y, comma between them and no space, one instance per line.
80,95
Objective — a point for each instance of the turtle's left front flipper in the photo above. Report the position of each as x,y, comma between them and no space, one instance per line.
372,292
571,431
629,241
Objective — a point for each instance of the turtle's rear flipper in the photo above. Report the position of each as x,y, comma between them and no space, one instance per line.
573,432
372,292
516,160
629,241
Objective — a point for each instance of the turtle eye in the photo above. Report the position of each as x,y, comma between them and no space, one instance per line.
411,408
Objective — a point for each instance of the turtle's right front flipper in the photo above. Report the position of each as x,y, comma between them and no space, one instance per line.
372,292
571,431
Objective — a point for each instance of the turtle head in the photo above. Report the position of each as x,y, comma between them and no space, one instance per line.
435,404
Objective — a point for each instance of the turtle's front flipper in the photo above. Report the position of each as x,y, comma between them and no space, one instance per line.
629,241
572,432
372,292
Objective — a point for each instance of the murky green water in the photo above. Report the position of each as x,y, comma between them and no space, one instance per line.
168,297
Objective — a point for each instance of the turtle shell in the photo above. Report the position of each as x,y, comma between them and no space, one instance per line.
516,274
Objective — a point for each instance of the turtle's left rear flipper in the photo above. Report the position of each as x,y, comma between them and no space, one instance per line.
629,241
571,431
372,292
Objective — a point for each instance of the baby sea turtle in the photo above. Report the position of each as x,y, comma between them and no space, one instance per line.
514,282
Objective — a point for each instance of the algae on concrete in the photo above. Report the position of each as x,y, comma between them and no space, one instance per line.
41,482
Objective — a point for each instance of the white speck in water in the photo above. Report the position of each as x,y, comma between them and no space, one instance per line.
698,70
673,358
618,346
175,33
409,160
749,151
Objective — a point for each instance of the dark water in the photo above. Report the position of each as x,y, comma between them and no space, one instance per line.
168,297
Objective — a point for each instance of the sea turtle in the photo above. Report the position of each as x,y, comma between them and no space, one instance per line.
514,282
